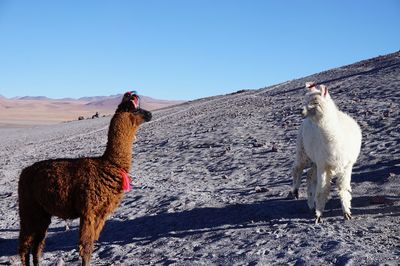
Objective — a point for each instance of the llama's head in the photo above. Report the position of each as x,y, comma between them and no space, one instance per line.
136,114
317,101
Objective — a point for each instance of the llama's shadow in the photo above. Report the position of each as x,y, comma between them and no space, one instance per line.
377,173
239,216
202,220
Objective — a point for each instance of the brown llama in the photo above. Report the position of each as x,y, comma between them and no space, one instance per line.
86,188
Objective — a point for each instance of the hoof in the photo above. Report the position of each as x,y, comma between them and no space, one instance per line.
347,216
318,220
293,194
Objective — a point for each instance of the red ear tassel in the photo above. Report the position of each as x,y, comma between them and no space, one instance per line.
126,186
311,86
324,90
135,102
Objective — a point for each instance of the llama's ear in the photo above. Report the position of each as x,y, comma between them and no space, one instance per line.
311,86
324,91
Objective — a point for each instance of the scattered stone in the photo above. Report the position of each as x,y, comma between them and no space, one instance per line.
96,115
257,144
386,113
163,143
391,175
274,147
6,195
259,189
380,200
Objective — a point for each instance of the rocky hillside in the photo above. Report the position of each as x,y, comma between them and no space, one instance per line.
211,178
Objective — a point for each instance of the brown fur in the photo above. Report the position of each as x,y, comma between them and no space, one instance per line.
85,188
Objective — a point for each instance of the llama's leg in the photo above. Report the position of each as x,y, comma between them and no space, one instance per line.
297,171
301,161
344,190
100,221
86,239
322,192
311,186
43,222
25,243
90,229
27,211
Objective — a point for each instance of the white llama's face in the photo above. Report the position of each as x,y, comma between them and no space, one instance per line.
316,101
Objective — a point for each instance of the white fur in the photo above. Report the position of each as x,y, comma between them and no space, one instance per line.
329,141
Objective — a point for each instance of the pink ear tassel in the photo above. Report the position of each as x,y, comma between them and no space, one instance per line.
126,186
324,90
311,86
135,102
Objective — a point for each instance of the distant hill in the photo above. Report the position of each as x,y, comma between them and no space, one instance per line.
146,102
33,110
34,98
97,98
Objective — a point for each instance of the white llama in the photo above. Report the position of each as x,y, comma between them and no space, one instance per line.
329,141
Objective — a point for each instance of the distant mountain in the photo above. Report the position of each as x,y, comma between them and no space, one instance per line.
97,98
113,101
34,98
30,110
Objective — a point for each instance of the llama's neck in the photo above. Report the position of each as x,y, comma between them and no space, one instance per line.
120,139
329,122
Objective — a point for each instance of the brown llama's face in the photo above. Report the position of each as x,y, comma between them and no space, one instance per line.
137,115
140,116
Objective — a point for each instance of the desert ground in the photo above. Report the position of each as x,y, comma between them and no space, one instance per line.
211,179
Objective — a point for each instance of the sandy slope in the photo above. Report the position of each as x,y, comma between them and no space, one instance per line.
209,189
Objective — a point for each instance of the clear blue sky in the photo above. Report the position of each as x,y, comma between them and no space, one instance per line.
183,49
